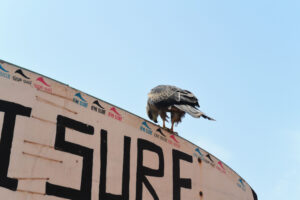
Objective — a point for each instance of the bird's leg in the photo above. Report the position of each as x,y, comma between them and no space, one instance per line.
174,118
172,126
172,121
163,116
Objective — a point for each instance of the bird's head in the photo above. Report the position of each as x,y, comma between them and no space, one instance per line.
152,114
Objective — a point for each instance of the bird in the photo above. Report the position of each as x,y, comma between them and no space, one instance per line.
168,98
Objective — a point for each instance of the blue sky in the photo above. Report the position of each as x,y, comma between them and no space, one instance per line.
241,59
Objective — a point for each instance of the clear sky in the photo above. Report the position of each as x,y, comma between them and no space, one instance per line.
240,58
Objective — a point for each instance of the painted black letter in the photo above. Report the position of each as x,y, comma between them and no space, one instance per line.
87,163
177,181
11,110
143,171
126,169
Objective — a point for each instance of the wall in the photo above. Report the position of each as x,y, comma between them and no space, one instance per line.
60,143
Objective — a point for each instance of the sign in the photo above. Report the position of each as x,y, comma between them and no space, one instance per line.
60,143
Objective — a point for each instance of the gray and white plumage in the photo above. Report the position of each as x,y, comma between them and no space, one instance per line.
167,98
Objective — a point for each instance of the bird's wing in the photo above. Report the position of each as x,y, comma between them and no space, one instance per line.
194,112
169,95
162,94
185,97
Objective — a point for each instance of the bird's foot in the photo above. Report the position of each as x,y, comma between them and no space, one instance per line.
169,130
174,133
166,129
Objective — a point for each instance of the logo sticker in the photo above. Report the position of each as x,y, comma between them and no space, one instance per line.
170,140
241,184
173,141
41,84
208,156
80,100
159,134
21,77
145,128
220,167
113,113
199,152
41,79
173,138
97,107
4,73
207,159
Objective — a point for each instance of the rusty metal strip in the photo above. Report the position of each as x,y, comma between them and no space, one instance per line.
57,95
35,143
42,157
43,120
54,104
31,192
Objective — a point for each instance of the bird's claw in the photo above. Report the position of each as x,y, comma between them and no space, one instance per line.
166,129
169,130
174,133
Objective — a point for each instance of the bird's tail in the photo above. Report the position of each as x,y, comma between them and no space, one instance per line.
193,111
